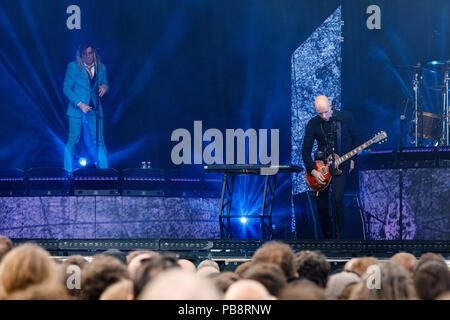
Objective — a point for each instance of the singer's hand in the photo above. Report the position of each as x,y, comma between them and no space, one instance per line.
101,90
84,107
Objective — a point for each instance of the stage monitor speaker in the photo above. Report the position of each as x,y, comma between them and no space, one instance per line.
48,182
185,183
95,182
378,159
143,182
12,182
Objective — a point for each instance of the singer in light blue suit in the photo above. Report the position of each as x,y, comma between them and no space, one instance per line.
84,85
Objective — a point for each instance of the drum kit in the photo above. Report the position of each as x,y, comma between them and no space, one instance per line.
426,125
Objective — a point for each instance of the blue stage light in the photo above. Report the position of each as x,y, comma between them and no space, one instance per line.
83,162
243,220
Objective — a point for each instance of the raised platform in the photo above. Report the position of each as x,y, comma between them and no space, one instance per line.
425,203
119,217
184,206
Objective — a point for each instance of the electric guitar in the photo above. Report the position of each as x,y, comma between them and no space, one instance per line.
324,168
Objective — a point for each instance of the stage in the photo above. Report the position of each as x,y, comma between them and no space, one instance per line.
150,204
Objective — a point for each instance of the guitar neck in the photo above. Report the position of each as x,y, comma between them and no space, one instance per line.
350,154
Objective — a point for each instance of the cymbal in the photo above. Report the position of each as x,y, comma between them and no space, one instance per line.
411,67
438,88
437,65
437,62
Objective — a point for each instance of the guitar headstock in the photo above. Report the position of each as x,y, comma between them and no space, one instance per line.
380,137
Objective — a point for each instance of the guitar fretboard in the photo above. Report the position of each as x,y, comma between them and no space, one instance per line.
350,154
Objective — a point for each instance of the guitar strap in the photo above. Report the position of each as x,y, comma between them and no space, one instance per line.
338,136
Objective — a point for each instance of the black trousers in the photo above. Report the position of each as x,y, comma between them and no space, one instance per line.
333,224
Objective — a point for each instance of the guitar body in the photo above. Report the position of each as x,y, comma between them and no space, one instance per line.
324,168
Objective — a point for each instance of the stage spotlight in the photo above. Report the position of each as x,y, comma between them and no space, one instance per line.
243,220
83,162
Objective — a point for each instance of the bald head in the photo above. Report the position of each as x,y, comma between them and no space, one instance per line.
177,284
187,265
323,107
207,272
247,289
136,263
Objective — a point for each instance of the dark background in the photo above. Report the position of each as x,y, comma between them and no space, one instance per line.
225,62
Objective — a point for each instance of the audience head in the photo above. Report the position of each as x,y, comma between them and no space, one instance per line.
135,253
395,283
208,263
280,254
224,280
117,254
242,268
360,265
150,269
406,260
42,291
431,279
137,261
429,256
268,274
338,282
178,284
247,289
208,272
6,245
312,265
349,264
77,260
122,290
102,272
25,266
302,289
187,265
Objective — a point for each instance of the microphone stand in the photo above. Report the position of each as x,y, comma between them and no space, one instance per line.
331,147
97,88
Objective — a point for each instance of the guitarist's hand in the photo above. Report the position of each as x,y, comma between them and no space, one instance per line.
319,176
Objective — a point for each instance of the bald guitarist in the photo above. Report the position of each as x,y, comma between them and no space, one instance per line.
334,132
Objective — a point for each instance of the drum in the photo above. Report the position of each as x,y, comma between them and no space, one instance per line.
432,126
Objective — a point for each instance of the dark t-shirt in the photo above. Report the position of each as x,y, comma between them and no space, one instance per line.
319,130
